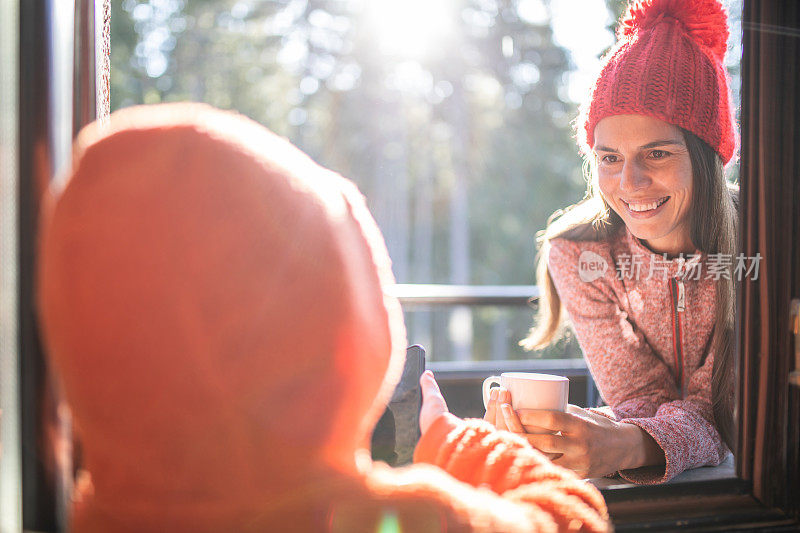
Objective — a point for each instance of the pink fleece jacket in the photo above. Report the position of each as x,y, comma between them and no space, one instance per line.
645,325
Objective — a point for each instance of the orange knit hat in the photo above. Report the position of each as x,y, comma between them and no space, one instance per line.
212,301
668,64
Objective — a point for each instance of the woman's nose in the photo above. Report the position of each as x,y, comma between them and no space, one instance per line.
634,177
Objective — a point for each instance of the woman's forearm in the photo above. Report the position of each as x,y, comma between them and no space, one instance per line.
645,451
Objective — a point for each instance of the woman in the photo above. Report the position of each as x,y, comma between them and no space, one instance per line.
639,264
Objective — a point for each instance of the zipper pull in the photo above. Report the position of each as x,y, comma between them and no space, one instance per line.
681,296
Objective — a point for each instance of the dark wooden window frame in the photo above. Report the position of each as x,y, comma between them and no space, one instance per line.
766,494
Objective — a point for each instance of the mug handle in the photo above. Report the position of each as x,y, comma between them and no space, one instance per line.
487,386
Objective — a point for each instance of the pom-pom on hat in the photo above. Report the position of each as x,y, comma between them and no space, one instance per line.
668,64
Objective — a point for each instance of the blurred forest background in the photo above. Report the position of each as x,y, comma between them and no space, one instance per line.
454,117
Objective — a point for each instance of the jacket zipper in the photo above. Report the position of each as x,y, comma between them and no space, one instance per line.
677,291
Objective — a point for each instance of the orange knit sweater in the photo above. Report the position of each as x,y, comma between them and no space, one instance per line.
486,480
213,304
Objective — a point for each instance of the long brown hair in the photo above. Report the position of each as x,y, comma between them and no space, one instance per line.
713,226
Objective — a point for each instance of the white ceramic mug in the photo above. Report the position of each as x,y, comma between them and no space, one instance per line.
531,391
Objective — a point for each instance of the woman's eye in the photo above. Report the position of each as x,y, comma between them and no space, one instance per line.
609,158
659,154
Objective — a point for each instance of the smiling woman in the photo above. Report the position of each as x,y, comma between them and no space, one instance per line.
656,133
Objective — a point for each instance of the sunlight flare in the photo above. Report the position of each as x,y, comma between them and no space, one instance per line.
409,28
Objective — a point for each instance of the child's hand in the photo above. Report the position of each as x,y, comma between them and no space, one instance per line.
433,404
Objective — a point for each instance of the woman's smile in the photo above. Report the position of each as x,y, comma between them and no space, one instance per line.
645,208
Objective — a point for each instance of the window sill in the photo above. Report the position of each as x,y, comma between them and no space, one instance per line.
726,470
702,499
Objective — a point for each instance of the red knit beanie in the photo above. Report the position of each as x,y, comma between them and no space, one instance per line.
668,64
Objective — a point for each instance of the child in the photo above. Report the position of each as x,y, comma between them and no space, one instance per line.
212,302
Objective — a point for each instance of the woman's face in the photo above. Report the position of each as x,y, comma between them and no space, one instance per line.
645,175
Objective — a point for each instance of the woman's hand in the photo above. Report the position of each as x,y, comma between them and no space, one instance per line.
590,444
494,415
433,404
